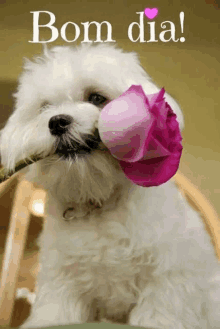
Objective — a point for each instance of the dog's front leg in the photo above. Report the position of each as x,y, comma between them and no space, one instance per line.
56,305
170,302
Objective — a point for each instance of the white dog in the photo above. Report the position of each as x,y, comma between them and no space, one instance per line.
109,249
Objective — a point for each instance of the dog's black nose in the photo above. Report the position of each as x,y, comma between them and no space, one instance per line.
58,124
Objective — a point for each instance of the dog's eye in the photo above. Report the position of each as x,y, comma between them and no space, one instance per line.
44,104
96,99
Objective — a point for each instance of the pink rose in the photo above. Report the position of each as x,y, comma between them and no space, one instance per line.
142,132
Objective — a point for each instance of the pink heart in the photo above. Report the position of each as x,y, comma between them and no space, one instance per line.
151,13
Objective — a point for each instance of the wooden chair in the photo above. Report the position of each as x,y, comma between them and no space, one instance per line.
15,243
20,219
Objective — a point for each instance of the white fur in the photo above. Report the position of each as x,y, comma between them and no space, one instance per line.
123,249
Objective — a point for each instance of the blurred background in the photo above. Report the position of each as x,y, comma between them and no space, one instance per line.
188,70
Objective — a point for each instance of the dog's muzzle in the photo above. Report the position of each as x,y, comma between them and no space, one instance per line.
66,145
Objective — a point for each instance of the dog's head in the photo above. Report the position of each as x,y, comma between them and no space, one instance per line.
59,99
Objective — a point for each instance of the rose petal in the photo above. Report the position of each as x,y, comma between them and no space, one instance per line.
125,124
142,132
152,172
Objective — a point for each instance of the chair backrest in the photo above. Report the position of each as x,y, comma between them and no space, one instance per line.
203,206
14,248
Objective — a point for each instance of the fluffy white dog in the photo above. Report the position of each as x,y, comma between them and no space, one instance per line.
109,249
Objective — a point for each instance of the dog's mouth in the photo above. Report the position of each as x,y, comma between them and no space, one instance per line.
67,146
